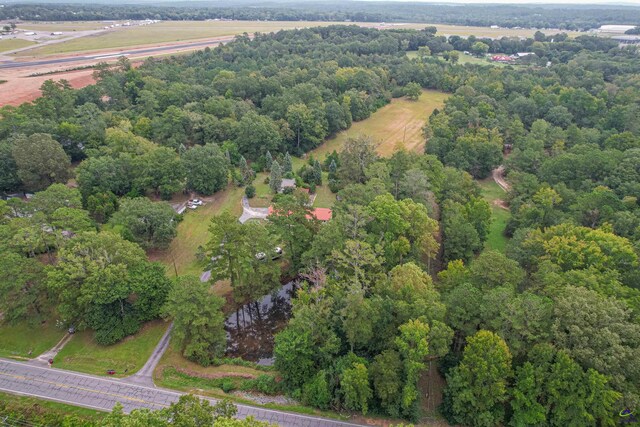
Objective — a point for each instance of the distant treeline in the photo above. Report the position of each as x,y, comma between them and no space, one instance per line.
564,17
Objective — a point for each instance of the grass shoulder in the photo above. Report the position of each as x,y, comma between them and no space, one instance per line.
25,341
83,354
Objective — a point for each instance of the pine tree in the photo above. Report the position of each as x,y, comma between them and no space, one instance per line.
275,179
317,172
287,166
246,171
268,160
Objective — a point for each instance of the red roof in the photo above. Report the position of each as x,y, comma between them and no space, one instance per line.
321,214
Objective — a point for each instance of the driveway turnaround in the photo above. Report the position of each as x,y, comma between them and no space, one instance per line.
103,393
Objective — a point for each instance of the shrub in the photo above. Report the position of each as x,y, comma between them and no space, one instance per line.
250,191
228,385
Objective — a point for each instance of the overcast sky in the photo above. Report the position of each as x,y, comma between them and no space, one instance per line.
583,2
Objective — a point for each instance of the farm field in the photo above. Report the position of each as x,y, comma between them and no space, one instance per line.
10,44
83,354
397,124
494,194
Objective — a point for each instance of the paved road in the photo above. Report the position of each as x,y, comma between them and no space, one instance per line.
103,393
252,213
145,375
111,55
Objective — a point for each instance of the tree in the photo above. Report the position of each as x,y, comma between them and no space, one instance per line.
413,91
293,222
293,351
356,156
233,248
206,169
599,333
23,293
287,166
275,179
95,280
268,160
257,134
40,161
354,385
102,205
150,224
478,386
413,345
386,375
56,196
479,48
9,179
198,321
161,171
98,175
247,173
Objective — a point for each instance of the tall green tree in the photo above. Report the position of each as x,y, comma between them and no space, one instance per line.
198,320
40,161
206,169
478,386
150,224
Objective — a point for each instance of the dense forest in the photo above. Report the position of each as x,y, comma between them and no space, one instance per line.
547,333
565,17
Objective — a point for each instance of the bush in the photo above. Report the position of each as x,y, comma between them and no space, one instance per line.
228,385
265,384
266,180
288,190
250,191
334,185
312,188
316,392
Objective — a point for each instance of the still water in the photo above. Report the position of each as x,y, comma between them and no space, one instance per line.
251,329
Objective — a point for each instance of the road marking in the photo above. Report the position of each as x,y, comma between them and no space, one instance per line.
104,393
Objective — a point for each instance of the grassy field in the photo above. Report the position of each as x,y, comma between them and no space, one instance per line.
174,31
165,32
397,124
10,44
30,405
492,193
18,340
64,26
84,355
193,231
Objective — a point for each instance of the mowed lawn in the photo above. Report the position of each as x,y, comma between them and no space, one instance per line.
24,340
493,193
193,232
10,44
83,354
398,124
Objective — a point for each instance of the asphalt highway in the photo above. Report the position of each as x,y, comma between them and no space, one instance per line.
111,55
102,394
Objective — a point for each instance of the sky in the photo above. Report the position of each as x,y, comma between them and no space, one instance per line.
515,2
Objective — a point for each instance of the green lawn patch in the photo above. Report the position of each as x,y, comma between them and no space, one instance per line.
324,197
34,411
193,232
494,194
83,354
24,340
11,44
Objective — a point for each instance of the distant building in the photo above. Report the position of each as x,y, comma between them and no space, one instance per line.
321,214
501,58
495,27
627,39
620,29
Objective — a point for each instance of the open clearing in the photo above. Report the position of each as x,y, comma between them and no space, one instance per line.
18,340
10,44
494,194
83,354
173,31
193,232
395,125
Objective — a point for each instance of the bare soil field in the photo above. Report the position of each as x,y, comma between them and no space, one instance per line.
20,89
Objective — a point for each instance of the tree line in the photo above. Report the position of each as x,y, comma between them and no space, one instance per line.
565,17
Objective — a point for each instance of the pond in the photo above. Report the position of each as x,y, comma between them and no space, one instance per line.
251,329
